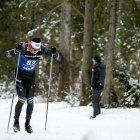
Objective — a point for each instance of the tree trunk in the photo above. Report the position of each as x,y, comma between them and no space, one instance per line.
87,52
116,84
110,51
65,42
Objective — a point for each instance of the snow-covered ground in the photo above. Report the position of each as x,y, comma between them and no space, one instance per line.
66,123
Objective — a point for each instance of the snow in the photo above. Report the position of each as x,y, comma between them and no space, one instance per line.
72,123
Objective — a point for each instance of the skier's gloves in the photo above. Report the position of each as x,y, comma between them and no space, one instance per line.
19,47
53,50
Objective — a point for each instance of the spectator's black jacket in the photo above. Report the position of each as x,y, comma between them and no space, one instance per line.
98,76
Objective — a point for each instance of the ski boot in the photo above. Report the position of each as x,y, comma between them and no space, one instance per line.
16,127
28,128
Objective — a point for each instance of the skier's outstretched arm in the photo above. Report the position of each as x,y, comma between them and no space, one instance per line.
48,52
14,51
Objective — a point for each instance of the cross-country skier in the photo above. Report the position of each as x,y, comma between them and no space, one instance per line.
25,83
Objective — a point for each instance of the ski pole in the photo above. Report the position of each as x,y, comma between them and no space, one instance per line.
49,89
13,92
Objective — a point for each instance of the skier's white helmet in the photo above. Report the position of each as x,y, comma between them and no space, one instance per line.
36,43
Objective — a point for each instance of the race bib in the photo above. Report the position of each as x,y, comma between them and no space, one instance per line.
27,64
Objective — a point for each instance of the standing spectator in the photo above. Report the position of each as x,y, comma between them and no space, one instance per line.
97,83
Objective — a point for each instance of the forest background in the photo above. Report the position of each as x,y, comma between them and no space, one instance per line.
79,29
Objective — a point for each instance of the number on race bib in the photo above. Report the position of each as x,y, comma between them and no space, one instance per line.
29,62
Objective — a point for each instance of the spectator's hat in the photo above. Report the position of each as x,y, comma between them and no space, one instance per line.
97,59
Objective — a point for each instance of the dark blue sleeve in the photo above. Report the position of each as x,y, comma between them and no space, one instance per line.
46,51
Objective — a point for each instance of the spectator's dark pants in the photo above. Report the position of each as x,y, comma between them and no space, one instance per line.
96,97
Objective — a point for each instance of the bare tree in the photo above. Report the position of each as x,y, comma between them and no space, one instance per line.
65,42
110,51
87,52
116,83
